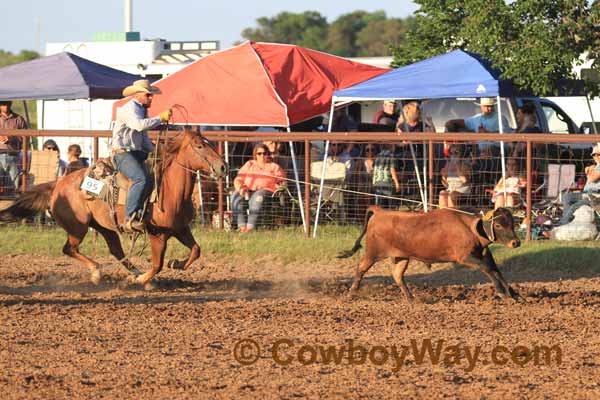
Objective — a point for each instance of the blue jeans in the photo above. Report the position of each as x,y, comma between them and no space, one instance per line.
132,166
253,207
384,202
9,166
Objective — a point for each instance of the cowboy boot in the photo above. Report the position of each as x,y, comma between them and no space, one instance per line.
132,225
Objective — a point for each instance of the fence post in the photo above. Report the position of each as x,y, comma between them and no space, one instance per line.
95,148
220,192
431,198
307,186
528,189
25,141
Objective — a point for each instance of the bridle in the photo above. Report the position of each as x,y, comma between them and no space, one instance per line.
204,158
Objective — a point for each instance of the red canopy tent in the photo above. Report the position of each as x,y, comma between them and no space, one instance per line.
257,84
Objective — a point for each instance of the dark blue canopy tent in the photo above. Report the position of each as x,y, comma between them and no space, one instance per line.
62,76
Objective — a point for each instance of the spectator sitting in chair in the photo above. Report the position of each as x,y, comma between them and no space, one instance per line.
410,119
455,178
387,115
254,185
75,161
591,190
514,182
52,146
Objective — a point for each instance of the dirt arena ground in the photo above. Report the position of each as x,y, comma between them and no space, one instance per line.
61,337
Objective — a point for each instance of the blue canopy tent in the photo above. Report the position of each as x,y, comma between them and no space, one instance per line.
455,74
62,76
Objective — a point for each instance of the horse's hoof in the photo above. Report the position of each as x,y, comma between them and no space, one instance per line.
150,286
96,277
141,279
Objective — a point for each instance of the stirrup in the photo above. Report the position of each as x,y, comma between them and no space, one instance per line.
133,225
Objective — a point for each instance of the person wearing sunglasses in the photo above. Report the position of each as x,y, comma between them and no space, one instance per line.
131,146
50,145
254,186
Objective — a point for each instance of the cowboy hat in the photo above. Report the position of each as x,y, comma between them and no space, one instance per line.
141,86
596,149
487,101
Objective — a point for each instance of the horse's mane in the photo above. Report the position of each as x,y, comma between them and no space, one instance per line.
170,148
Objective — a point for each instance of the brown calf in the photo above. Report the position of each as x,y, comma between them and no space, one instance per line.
438,236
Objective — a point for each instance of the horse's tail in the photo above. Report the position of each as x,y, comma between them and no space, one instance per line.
349,253
31,202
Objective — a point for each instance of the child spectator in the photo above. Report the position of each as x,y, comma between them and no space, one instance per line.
75,161
385,176
455,178
511,184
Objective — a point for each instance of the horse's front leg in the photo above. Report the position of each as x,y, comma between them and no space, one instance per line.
158,244
186,238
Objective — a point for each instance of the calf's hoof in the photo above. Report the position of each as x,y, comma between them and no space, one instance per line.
175,264
149,286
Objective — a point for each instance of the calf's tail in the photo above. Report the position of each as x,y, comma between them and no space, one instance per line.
28,204
349,253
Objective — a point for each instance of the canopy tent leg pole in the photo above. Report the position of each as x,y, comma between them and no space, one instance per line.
324,170
228,205
594,129
414,158
425,181
503,161
200,198
26,113
297,178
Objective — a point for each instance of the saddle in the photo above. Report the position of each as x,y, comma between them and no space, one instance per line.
115,185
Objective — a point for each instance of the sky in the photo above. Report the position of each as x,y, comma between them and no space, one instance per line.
177,20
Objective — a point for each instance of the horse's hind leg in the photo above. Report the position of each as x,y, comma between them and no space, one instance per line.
71,248
186,238
116,249
158,243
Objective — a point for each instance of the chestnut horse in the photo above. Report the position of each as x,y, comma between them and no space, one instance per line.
74,211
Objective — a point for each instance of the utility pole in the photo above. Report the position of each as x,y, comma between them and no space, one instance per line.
128,15
38,34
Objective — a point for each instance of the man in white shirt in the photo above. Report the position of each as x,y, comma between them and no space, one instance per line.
131,146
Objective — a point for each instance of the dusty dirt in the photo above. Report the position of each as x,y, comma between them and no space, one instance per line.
62,337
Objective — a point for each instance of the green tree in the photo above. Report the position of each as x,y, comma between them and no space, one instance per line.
534,42
308,29
343,31
8,58
378,36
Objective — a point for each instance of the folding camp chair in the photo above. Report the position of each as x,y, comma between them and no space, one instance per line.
333,206
43,167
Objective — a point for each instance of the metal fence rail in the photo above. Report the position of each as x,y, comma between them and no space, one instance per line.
352,191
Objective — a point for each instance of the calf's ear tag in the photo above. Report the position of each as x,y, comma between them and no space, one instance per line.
489,215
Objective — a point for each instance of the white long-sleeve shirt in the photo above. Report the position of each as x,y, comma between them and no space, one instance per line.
130,127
